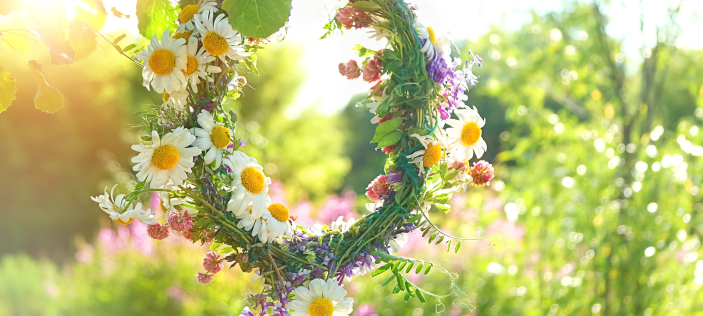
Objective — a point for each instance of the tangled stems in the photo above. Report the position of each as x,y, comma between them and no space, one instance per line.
247,238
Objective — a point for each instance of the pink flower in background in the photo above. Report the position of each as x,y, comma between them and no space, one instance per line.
493,204
505,228
277,193
141,239
335,207
350,17
212,262
85,255
204,278
157,231
372,70
378,187
365,310
302,210
180,222
176,293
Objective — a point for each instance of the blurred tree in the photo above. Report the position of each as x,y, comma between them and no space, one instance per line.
306,153
609,200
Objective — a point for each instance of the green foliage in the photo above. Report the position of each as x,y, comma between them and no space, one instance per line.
155,17
257,18
8,90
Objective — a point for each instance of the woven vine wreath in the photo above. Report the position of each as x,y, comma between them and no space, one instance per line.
214,193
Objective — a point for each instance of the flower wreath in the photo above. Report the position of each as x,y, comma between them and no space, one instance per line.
214,193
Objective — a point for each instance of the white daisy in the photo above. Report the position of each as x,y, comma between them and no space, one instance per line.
435,46
429,156
257,226
187,14
465,134
398,242
197,65
164,63
219,39
278,221
176,100
250,186
321,298
121,211
213,137
341,226
165,159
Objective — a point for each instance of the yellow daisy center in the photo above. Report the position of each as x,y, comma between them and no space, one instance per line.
321,307
433,38
253,180
188,12
192,66
184,36
162,61
470,133
165,157
432,155
220,137
166,96
123,222
279,212
215,44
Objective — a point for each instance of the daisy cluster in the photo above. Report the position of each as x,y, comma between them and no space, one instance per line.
209,191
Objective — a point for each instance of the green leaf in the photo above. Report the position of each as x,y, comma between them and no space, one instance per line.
395,266
439,240
83,39
257,18
449,245
458,244
396,289
8,90
225,250
214,245
390,139
48,99
426,232
155,17
407,296
420,296
61,53
443,207
428,268
386,128
401,282
409,288
432,238
419,268
410,267
388,281
402,265
381,270
419,131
